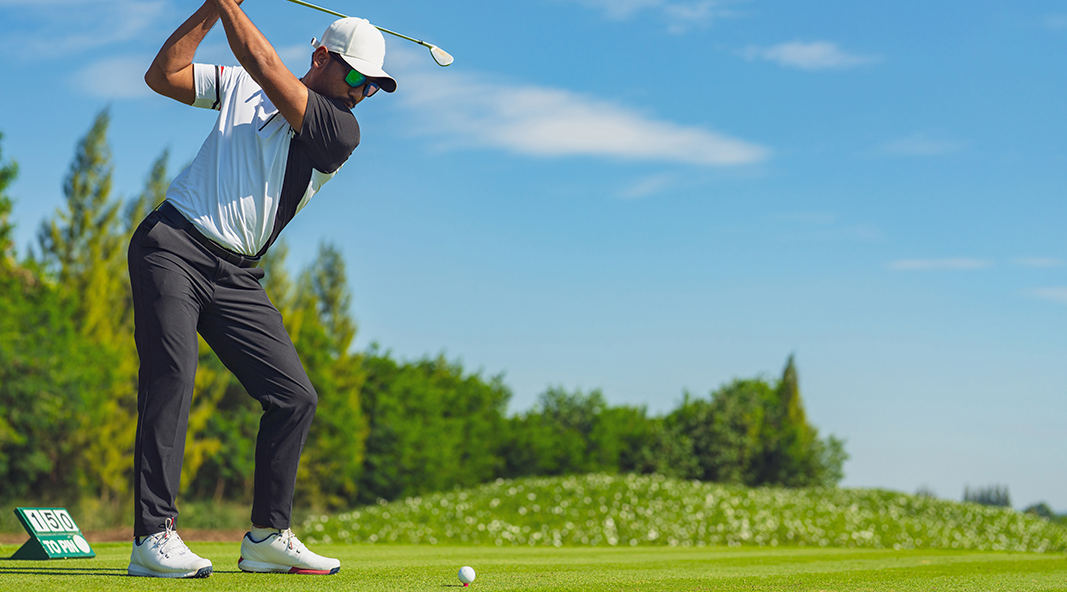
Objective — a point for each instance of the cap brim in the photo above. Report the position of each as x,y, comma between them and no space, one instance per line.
387,82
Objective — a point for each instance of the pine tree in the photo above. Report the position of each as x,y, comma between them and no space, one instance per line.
789,459
45,367
83,246
324,333
153,194
330,285
8,172
82,243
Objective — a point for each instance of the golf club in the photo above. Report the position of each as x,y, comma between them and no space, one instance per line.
442,57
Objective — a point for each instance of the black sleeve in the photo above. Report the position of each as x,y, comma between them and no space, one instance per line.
329,134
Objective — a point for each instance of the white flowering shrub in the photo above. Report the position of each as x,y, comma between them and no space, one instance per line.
654,510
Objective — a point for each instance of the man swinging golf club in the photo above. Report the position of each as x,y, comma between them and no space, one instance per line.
193,268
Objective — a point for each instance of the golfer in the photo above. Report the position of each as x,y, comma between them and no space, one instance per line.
193,260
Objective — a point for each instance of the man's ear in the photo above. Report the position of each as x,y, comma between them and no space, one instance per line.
320,58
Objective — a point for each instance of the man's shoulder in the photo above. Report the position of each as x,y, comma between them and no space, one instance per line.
330,132
332,107
334,114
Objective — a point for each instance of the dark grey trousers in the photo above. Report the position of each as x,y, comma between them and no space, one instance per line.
181,288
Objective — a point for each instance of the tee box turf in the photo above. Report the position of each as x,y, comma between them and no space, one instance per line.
53,535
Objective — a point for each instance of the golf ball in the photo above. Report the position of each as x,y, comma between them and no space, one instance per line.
466,574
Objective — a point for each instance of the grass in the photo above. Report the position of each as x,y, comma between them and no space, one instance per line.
408,567
636,511
600,532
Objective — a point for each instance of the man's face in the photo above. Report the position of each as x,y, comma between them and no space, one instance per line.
337,87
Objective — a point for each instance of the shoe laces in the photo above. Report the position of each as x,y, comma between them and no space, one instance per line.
291,542
168,542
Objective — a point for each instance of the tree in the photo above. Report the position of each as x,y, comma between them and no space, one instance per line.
81,243
926,491
556,437
788,457
754,433
153,194
45,367
333,458
795,456
1041,510
993,495
726,433
8,172
83,246
431,426
659,446
626,440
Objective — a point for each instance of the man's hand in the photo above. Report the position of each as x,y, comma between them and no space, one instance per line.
171,73
262,63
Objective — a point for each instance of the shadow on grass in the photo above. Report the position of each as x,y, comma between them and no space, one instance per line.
62,571
52,570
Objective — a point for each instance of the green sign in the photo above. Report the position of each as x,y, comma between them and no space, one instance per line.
53,535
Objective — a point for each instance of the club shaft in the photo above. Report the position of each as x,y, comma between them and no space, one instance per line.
326,10
339,15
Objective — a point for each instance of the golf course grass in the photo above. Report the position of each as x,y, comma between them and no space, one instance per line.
409,567
627,532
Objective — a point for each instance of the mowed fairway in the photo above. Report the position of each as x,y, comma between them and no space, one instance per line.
395,567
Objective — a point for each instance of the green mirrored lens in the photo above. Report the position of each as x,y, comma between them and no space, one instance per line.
355,79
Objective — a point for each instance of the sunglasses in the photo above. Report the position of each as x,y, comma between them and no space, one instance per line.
354,78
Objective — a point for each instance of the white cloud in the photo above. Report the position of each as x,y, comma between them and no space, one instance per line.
647,186
550,122
621,9
963,263
296,57
119,77
951,263
1040,262
1056,22
817,55
680,15
70,27
851,233
1053,294
920,144
824,227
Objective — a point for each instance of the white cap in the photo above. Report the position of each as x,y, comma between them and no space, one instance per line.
361,45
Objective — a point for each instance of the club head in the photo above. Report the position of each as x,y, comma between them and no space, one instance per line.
442,57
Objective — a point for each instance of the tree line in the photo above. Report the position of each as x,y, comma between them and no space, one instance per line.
385,428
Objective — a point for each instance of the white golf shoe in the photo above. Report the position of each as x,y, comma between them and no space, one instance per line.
165,555
282,552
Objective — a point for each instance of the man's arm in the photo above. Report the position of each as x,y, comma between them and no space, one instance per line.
262,63
171,73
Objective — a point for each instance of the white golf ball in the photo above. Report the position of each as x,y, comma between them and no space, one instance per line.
466,574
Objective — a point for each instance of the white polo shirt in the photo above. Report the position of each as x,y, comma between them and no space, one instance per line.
254,171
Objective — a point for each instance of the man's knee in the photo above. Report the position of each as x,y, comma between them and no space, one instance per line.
308,400
169,381
301,400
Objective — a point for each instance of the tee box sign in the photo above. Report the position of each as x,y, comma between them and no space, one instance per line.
53,535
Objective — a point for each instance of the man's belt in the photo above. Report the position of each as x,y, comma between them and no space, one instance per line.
171,213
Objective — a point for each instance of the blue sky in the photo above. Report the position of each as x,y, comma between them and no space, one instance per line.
654,196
